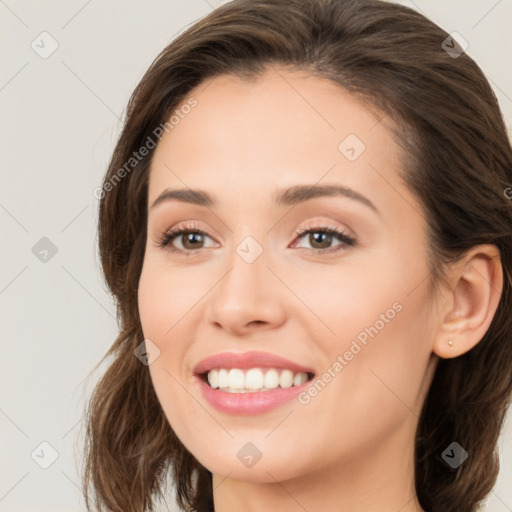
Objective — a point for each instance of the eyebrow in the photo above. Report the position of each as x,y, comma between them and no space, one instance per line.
287,197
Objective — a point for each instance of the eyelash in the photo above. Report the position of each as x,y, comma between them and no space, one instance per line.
168,237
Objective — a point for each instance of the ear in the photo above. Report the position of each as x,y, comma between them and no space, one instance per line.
467,310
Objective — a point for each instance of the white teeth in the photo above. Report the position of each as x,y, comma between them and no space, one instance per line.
223,378
213,378
271,379
254,379
236,380
286,379
300,378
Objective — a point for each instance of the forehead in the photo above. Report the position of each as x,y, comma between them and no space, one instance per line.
270,133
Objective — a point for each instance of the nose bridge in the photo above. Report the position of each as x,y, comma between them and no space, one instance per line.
248,256
247,262
245,293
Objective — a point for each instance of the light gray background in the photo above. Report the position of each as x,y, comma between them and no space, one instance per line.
60,119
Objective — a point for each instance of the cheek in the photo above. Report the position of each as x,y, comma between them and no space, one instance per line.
165,296
383,291
382,324
345,298
376,317
165,301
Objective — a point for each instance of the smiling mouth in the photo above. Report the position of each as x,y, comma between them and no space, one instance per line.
253,380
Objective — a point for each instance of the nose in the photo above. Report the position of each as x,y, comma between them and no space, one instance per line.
247,297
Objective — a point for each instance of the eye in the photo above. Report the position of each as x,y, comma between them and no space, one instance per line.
190,237
321,238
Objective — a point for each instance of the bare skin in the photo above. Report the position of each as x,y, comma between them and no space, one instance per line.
350,447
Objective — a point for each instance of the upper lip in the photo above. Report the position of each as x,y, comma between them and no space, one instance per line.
248,360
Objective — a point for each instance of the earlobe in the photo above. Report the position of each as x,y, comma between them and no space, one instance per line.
476,287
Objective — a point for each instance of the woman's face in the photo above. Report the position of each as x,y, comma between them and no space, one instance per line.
357,314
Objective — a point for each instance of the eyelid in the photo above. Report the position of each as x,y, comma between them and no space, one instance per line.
167,236
347,241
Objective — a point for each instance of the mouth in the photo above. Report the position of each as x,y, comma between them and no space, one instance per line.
248,383
253,380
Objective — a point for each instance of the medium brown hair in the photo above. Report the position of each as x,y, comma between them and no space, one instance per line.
458,160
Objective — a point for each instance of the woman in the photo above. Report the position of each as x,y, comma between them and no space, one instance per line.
306,223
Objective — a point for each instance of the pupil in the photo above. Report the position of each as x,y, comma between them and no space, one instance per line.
190,239
317,236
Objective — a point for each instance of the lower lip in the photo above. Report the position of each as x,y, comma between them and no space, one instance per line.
248,403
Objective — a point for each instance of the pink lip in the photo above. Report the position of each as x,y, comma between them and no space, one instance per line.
254,402
248,360
248,403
